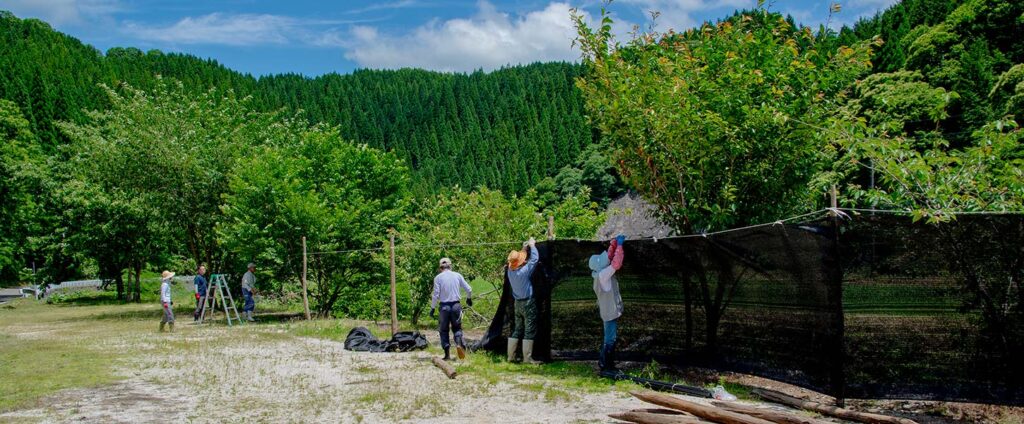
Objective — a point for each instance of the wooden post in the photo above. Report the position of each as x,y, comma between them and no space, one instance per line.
708,413
834,202
394,301
551,227
305,298
640,417
846,414
768,414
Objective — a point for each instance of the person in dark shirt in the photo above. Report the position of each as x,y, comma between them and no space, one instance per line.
201,289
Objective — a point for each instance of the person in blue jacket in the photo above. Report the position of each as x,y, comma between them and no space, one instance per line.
520,268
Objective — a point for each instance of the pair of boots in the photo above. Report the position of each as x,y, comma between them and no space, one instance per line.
162,326
513,345
460,349
607,359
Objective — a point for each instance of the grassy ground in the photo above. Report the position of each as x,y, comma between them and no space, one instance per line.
89,359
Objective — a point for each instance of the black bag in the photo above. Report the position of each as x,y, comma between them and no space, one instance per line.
361,340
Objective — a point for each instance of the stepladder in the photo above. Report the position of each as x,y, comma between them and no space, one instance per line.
218,289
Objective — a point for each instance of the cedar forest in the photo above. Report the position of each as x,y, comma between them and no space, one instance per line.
118,162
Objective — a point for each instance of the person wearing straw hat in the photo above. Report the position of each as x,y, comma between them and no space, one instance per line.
519,269
166,278
248,288
447,284
603,267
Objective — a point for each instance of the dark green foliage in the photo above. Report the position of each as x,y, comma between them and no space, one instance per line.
507,129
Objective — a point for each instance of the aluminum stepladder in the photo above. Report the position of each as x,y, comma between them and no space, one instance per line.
220,284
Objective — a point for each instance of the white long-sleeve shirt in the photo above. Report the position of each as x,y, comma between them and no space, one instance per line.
165,292
446,287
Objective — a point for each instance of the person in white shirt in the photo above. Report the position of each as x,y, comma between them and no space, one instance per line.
248,289
446,292
166,278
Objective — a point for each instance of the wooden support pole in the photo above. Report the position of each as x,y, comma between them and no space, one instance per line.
394,301
709,413
444,366
834,411
833,200
649,418
305,296
551,227
768,414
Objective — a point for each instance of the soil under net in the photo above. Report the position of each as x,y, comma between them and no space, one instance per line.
883,308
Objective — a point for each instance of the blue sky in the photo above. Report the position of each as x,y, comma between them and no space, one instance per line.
317,37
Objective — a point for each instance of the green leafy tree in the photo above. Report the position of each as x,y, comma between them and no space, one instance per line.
20,173
711,124
715,125
340,195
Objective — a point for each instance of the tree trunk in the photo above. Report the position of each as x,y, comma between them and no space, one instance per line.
137,295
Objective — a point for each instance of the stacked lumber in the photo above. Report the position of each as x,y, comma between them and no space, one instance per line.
679,411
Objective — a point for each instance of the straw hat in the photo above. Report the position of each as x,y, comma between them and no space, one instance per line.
446,262
516,259
166,274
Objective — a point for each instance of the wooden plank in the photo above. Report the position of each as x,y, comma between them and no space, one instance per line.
649,418
444,366
833,411
706,412
768,414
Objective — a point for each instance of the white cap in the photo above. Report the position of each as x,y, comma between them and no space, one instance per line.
446,262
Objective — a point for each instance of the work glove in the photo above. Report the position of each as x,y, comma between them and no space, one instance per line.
433,312
165,305
197,296
469,301
619,239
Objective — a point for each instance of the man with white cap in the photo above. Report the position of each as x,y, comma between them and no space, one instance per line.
447,284
166,278
248,288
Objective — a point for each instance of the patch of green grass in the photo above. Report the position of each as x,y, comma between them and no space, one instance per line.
35,368
570,376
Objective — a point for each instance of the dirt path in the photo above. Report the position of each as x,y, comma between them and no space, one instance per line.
258,374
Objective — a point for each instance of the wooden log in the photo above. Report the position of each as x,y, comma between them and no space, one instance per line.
662,411
709,413
834,411
770,415
444,366
649,418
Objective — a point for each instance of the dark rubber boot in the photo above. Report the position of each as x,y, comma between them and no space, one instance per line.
447,357
607,361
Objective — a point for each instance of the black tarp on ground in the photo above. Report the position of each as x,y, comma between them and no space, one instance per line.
885,308
361,340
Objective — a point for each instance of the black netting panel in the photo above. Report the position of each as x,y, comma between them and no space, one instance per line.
934,311
886,308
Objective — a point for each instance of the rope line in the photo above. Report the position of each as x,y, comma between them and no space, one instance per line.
834,211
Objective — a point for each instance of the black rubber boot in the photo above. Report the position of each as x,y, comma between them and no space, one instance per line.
447,357
607,361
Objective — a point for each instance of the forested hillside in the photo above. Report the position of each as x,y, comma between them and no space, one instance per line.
506,129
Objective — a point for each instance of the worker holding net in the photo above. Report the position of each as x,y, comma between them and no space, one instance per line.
609,300
520,267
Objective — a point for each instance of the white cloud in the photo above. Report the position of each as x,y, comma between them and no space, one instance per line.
241,30
61,12
488,40
217,28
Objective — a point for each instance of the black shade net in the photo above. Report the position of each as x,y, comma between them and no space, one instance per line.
885,308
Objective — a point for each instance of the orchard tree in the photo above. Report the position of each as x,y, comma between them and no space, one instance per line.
715,125
718,126
175,149
340,195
